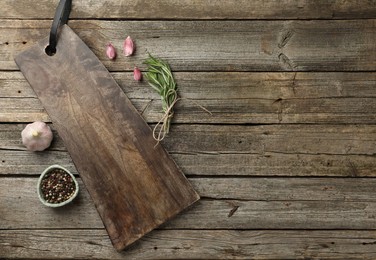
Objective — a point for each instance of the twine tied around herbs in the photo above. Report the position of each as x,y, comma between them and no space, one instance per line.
165,121
160,78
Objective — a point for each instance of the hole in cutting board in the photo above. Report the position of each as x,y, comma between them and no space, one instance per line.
50,51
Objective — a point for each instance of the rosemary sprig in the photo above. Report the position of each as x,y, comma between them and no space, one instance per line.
160,78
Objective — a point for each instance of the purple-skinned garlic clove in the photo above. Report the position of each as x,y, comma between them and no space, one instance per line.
137,75
128,46
110,51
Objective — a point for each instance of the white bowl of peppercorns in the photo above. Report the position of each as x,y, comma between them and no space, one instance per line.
57,186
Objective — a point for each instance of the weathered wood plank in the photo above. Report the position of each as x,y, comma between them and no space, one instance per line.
231,97
292,158
268,164
188,9
227,203
231,85
287,189
230,111
257,189
247,139
344,45
292,139
191,244
25,109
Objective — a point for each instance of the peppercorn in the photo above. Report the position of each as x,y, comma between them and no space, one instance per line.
57,186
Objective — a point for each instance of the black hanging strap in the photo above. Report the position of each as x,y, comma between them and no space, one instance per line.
61,17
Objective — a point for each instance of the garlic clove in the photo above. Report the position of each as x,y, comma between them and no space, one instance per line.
128,46
137,75
110,51
37,136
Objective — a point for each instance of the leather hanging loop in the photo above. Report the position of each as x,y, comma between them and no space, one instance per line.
60,18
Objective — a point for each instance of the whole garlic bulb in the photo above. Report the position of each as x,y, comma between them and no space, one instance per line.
37,136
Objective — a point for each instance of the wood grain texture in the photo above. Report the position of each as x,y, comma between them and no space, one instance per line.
18,162
270,150
258,62
230,111
230,85
232,97
228,203
321,45
244,188
188,9
191,244
230,164
135,186
247,139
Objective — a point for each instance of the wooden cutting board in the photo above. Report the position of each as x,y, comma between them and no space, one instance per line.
134,185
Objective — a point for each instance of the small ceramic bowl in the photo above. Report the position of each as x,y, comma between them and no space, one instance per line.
39,188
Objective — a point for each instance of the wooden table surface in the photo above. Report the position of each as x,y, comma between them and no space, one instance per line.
285,166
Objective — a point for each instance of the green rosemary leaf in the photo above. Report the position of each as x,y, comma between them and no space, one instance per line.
155,87
167,70
165,79
153,78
